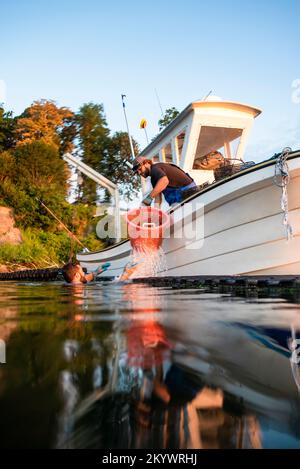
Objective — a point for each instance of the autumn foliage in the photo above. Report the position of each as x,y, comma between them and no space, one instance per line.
44,121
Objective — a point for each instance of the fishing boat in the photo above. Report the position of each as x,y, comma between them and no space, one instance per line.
247,214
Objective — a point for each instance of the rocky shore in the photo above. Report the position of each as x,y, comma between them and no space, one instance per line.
8,231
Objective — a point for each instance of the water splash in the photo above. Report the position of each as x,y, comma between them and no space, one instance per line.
148,262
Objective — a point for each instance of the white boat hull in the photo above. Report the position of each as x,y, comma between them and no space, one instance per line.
243,231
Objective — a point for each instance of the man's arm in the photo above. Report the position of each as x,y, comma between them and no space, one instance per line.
156,192
158,200
161,184
90,277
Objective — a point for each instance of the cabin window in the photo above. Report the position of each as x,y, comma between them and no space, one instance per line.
222,142
179,143
168,153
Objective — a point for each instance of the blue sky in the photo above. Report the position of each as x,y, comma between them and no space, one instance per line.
76,51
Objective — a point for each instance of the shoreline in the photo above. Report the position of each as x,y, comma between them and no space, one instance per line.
4,268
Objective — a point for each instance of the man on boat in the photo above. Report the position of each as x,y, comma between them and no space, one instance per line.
73,273
166,178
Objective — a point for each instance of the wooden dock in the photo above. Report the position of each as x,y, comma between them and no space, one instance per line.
199,281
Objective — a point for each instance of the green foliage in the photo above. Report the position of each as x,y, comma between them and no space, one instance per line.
77,217
41,167
7,167
32,170
67,134
44,249
39,249
93,243
117,170
7,130
168,117
93,135
104,153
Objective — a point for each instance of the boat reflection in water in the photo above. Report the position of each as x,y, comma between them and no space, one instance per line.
155,398
131,366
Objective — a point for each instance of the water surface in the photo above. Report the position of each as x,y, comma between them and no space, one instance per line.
132,366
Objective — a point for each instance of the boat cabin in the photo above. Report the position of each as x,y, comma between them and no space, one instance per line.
203,137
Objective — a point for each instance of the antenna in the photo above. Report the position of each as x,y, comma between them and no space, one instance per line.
143,125
159,103
206,96
129,136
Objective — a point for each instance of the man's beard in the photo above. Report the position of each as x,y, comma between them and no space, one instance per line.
146,173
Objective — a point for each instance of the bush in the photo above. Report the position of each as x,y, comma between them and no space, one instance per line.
93,243
39,249
42,249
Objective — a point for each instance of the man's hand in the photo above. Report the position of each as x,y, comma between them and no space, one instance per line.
147,201
158,201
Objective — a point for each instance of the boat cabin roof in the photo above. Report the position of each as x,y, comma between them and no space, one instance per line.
204,105
202,128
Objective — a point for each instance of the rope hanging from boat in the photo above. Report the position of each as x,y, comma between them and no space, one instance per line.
294,359
282,179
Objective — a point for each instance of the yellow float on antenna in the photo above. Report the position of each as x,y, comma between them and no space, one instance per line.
143,124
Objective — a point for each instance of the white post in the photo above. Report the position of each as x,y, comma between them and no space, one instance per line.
190,143
162,155
102,181
175,152
243,140
227,150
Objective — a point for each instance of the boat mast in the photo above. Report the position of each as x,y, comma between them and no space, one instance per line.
129,136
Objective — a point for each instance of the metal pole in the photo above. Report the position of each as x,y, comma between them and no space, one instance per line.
103,182
206,96
129,136
159,103
146,135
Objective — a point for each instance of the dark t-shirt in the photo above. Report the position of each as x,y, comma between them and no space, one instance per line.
177,177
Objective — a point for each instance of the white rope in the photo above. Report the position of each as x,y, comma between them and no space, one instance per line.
282,179
294,359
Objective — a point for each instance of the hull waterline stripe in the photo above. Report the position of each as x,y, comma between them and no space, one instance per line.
231,252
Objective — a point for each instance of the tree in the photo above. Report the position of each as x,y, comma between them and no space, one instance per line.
34,171
67,135
41,168
94,143
104,153
117,170
43,120
7,130
168,117
7,167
